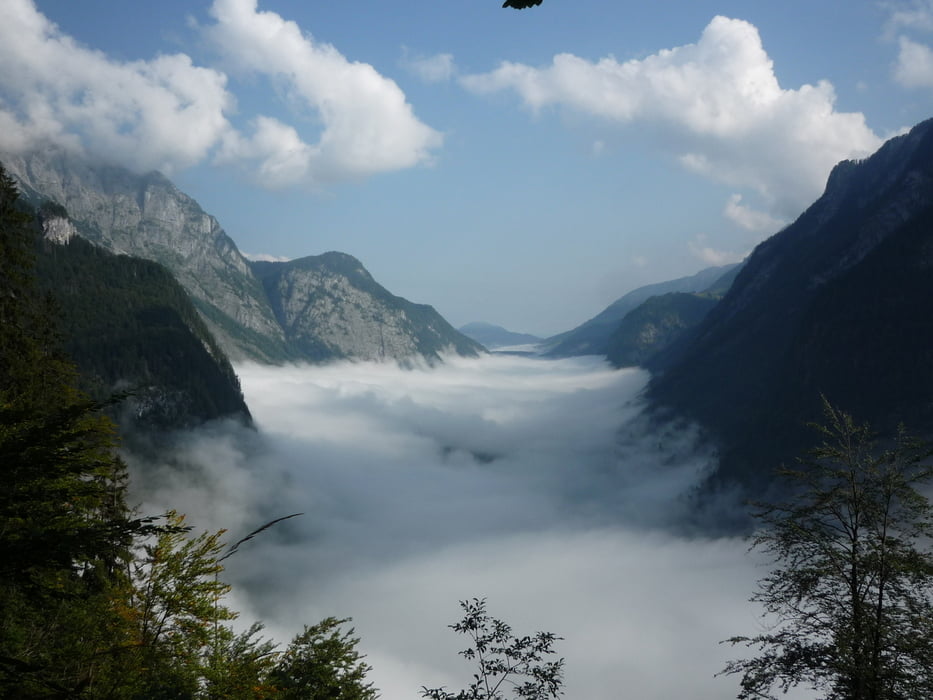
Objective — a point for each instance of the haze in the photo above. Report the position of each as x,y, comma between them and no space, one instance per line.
504,477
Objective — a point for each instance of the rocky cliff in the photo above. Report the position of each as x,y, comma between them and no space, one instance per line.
148,217
304,310
330,307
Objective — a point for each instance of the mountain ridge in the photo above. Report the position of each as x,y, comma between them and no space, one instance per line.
856,264
149,217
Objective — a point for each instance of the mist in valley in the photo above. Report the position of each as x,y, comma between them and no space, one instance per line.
532,483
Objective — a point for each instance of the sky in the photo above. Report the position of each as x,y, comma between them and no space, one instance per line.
524,168
530,483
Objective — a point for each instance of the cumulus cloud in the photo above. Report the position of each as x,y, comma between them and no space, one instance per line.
718,101
168,113
914,67
748,218
367,126
164,113
501,477
431,69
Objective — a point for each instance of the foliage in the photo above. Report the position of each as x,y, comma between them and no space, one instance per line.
94,601
127,322
851,595
65,530
322,663
504,660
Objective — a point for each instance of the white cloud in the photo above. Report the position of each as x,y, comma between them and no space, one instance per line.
367,125
503,477
748,218
718,100
431,69
914,67
165,113
916,15
711,256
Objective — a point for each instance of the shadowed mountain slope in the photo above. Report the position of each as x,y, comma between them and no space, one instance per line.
840,303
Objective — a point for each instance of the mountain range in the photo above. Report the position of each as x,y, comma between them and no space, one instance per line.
838,304
313,309
592,337
493,337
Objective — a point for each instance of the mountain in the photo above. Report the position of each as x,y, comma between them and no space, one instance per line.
129,326
839,303
655,325
592,337
492,336
148,217
330,307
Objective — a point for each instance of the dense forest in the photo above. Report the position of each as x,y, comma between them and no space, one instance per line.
96,600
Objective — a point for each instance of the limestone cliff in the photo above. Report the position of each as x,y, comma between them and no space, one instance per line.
148,217
331,307
315,309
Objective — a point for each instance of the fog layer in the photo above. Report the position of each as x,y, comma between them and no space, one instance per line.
531,483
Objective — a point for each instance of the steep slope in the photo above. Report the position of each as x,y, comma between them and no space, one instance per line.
592,337
839,303
492,336
128,325
148,217
655,325
330,307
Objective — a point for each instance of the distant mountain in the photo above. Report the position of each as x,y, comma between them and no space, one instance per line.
839,303
330,307
655,325
148,217
592,337
129,326
492,336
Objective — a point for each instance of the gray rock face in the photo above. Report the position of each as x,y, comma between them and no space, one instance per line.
317,309
331,307
58,230
147,216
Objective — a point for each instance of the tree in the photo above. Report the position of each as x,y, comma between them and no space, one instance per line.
849,600
520,4
65,529
504,660
322,663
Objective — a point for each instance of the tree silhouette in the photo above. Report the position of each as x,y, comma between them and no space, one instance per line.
520,4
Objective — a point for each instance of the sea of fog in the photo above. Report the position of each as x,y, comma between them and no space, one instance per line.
532,483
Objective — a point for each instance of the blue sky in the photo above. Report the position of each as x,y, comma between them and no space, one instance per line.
523,168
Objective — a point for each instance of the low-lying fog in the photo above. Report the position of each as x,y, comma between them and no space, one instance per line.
524,481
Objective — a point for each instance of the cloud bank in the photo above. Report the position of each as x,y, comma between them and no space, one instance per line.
367,125
501,477
167,113
717,102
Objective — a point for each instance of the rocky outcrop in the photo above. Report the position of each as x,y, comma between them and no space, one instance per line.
316,309
331,307
148,217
